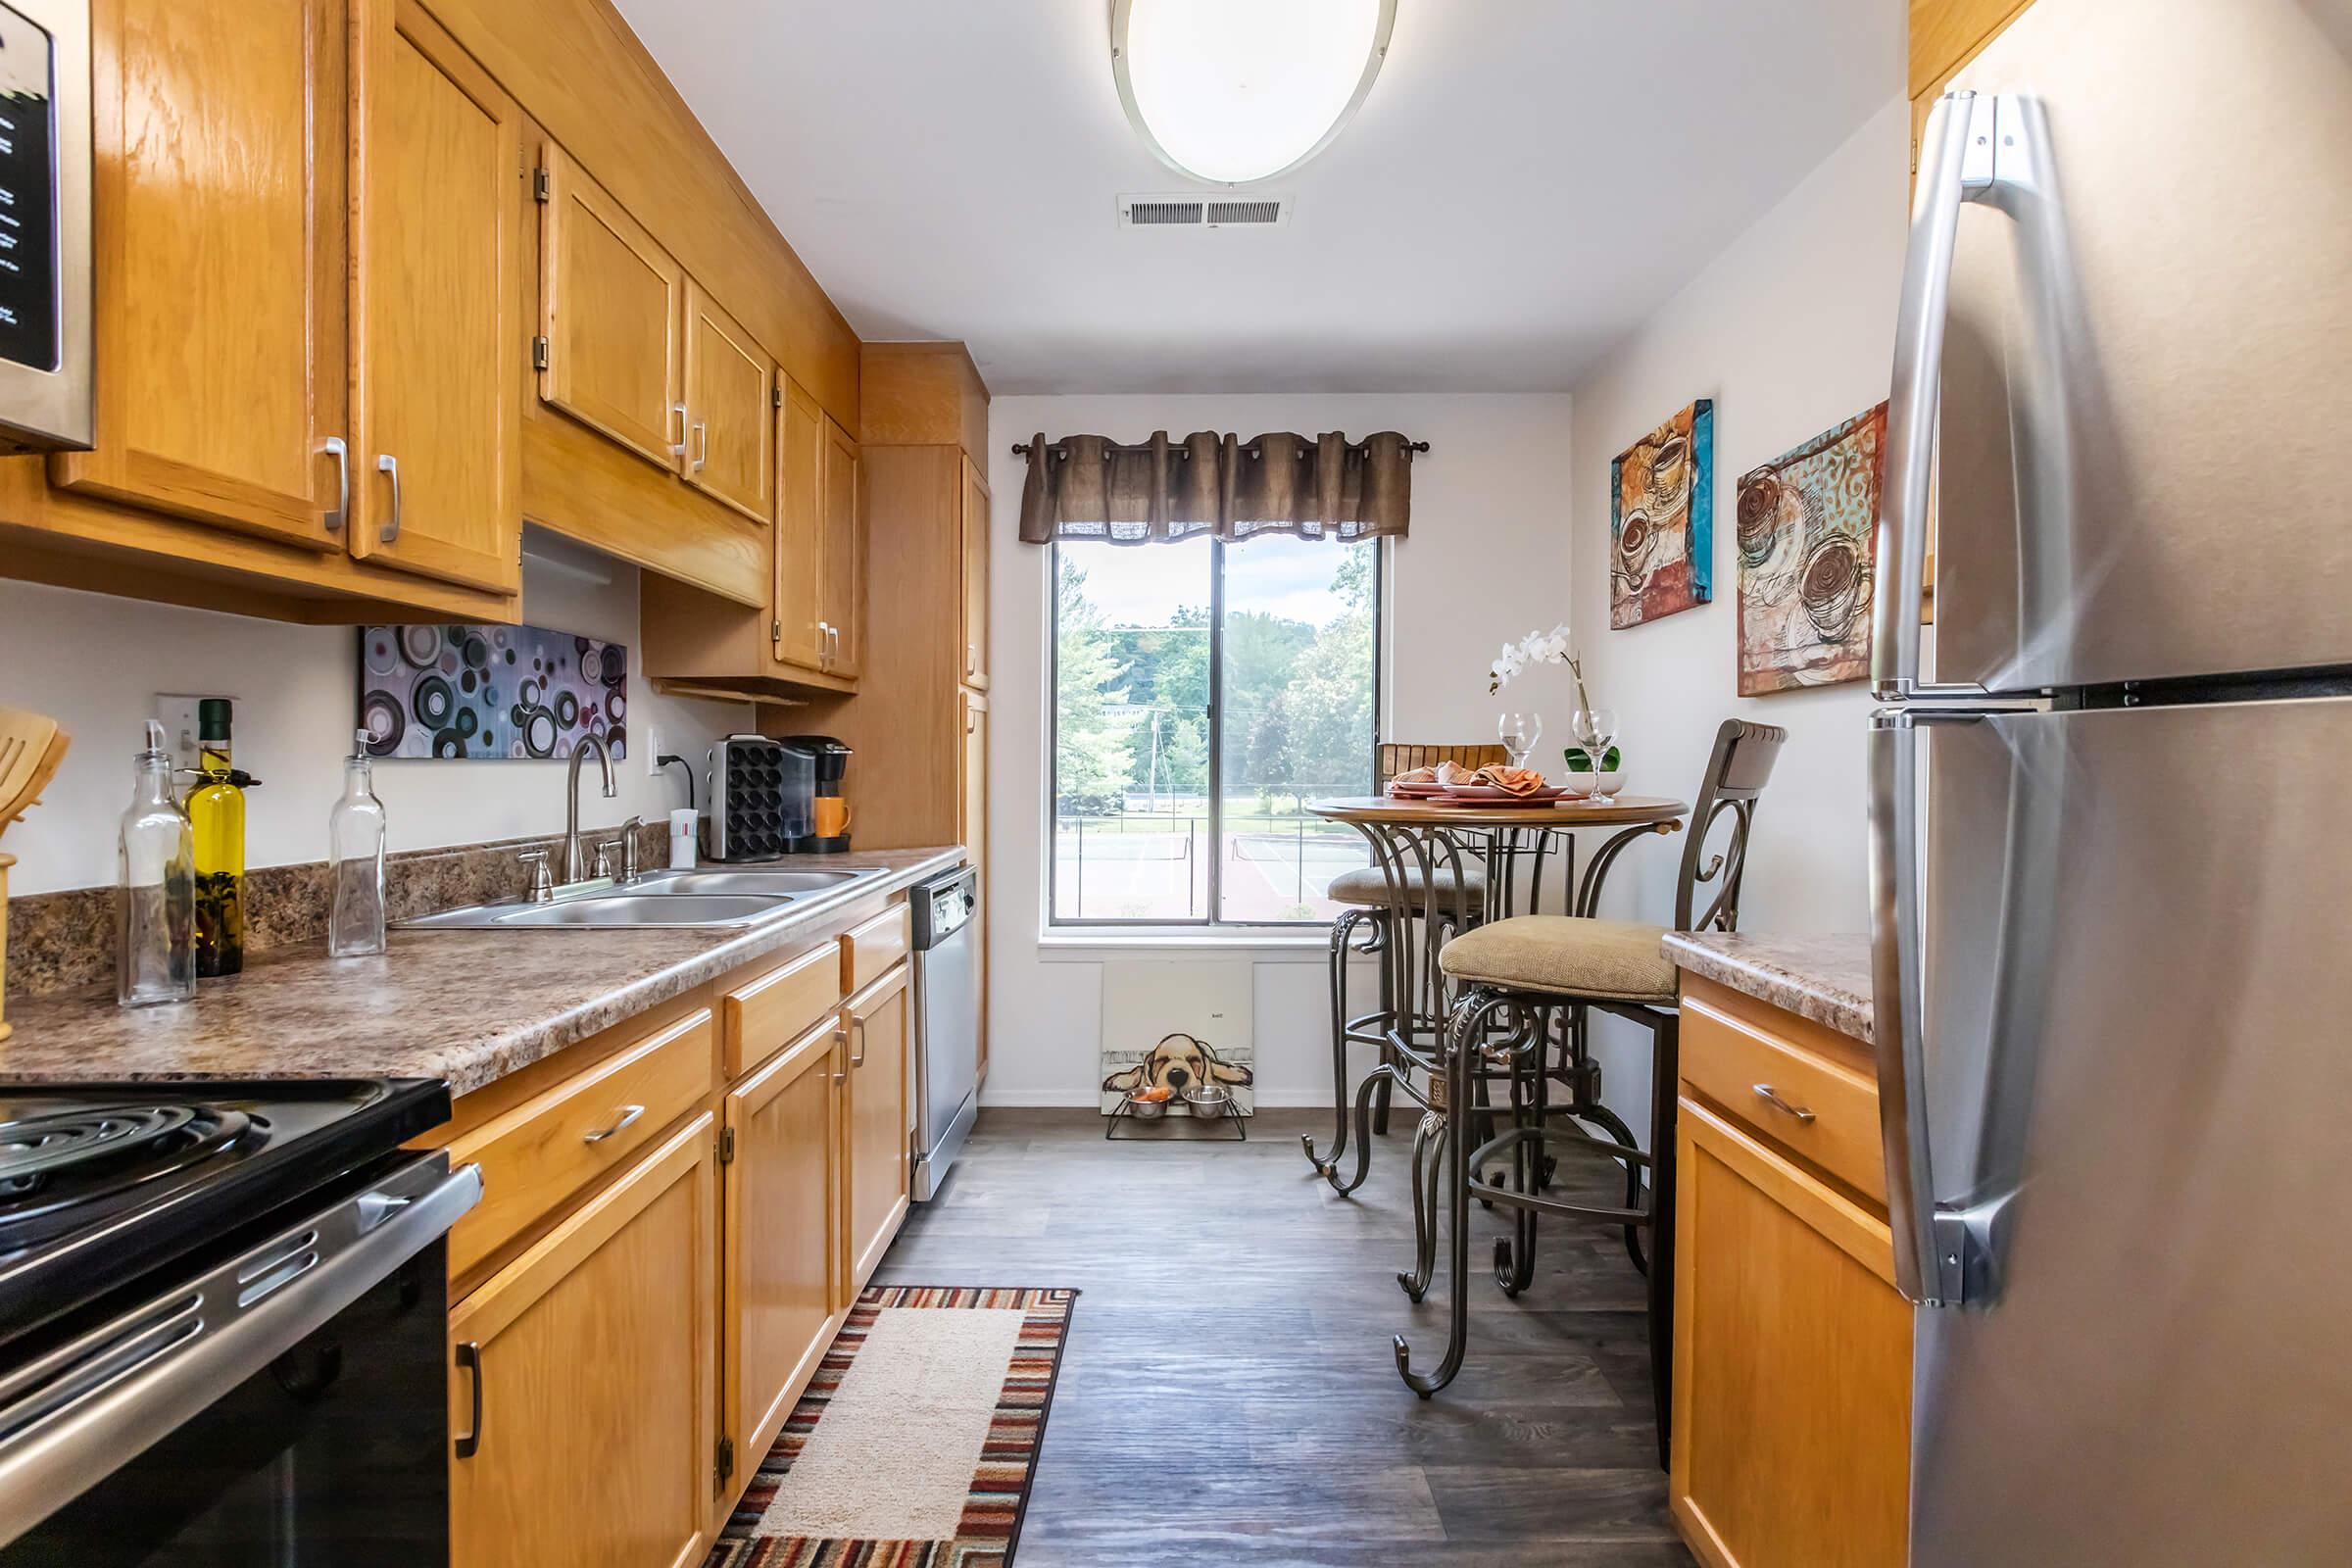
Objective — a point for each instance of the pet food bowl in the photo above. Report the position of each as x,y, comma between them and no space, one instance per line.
1207,1102
1146,1109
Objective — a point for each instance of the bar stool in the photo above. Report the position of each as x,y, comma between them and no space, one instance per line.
1513,975
1364,929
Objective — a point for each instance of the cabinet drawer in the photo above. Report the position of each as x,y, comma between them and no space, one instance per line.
1821,1109
868,951
767,1014
548,1148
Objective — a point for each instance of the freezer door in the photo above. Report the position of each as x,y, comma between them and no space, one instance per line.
2135,1082
2144,395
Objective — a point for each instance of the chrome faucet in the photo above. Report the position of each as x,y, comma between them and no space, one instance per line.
575,868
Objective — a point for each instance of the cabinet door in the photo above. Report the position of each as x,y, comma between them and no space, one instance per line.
844,551
1791,1363
583,1381
783,1245
799,633
218,217
730,408
975,575
610,303
437,312
879,1150
971,830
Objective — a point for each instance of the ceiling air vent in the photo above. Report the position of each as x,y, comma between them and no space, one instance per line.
1197,211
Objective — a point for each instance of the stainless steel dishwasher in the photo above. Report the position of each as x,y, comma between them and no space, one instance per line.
947,1022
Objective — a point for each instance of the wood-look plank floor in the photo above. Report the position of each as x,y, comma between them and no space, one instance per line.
1228,1395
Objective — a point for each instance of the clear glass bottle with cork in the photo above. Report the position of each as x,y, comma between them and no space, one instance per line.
155,895
216,810
355,835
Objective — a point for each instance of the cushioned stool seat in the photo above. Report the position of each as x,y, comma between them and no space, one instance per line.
1617,960
1369,888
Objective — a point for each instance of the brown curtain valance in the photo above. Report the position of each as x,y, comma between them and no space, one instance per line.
1090,487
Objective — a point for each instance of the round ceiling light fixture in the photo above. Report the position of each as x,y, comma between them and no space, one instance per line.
1235,91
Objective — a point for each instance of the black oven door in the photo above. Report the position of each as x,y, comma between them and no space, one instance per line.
288,1409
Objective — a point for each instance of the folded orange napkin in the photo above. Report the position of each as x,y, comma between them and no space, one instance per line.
1454,775
1512,780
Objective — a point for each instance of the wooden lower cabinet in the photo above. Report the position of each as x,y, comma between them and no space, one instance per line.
640,1329
1792,1362
782,1268
584,1381
879,1154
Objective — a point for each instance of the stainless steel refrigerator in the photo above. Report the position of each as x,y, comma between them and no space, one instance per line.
2111,792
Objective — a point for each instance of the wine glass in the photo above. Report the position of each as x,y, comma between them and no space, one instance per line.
1519,733
1594,729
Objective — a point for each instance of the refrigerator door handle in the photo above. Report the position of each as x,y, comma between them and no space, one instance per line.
1955,166
1899,1000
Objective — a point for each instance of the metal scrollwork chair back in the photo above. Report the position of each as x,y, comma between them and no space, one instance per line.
1737,773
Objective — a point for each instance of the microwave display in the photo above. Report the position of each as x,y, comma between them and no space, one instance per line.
28,266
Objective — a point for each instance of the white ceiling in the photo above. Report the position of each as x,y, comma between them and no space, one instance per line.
1527,180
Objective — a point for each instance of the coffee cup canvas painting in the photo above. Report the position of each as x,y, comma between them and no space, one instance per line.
1804,527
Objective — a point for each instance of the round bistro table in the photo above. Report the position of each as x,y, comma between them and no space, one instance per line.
1474,861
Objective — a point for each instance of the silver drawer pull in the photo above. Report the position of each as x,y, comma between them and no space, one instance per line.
1771,1096
628,1114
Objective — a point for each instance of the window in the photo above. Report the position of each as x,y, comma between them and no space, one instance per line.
1255,664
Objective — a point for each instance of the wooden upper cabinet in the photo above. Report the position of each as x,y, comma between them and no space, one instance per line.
841,550
782,1261
611,301
798,635
437,305
584,1374
730,408
974,531
879,1163
218,217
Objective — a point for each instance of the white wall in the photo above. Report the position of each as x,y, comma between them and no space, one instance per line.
1488,556
1790,330
95,664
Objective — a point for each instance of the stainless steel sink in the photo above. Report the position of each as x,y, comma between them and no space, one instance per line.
638,908
717,898
738,879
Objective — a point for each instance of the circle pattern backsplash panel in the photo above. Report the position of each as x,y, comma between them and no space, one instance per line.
490,692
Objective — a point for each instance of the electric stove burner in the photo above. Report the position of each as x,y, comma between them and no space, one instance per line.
54,1162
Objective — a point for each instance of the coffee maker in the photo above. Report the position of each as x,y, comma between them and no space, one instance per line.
831,826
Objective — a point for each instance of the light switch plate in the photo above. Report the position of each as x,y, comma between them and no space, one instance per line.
178,714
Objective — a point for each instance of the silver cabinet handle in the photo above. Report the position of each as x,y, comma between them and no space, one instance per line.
834,634
470,1359
386,463
678,447
1945,184
701,444
972,659
1771,1096
858,1033
334,446
628,1114
840,1037
824,644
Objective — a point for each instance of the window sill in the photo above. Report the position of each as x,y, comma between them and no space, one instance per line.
1081,945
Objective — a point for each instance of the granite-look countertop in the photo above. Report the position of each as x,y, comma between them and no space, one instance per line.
1825,979
468,1007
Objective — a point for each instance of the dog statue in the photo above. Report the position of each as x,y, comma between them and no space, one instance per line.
1177,1064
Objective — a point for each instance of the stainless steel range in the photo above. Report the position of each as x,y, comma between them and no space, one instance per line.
221,1314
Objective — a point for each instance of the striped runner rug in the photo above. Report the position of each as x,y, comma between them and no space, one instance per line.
915,1443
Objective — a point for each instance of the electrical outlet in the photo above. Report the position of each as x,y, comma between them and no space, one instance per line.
178,714
652,752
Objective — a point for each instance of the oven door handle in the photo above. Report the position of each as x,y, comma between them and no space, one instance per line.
73,1416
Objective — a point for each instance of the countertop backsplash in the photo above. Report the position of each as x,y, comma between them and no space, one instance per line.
66,941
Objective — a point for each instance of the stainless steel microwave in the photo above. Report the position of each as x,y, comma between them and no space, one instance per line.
46,400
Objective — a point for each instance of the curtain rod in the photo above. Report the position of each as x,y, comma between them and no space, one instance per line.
1020,449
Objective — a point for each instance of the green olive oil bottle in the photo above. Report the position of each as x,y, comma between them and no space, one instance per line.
216,808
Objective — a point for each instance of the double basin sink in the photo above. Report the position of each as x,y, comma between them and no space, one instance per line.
719,898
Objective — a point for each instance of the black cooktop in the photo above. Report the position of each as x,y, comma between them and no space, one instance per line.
101,1184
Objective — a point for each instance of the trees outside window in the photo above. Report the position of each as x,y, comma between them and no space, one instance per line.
1256,664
